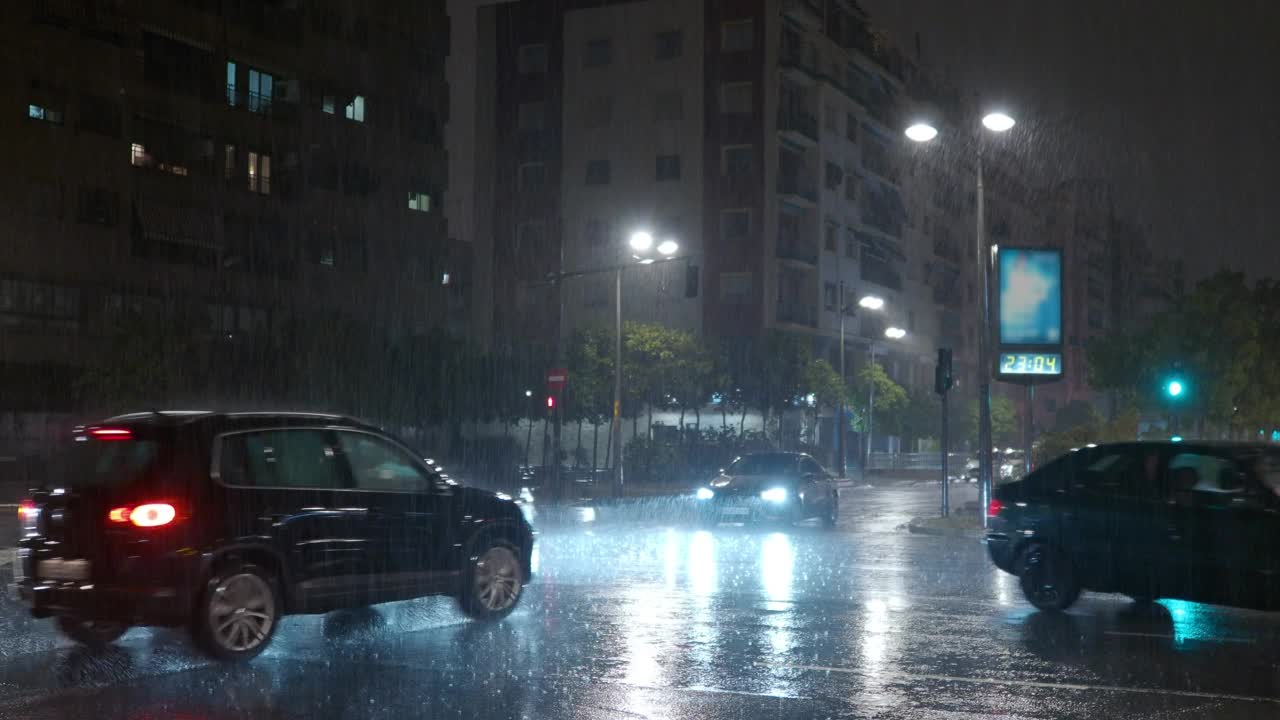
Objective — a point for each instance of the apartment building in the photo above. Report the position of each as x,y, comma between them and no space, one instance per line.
764,137
254,166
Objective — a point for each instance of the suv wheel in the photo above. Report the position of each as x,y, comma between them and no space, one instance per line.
493,581
238,614
1047,579
94,634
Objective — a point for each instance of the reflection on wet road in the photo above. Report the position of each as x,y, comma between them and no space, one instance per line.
648,621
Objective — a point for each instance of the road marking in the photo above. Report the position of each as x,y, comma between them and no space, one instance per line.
706,690
906,677
1163,636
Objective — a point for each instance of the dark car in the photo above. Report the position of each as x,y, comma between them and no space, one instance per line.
224,523
780,486
1191,521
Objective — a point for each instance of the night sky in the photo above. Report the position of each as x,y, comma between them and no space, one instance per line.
1176,103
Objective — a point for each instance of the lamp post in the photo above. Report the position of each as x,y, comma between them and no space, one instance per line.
641,243
997,122
893,333
868,302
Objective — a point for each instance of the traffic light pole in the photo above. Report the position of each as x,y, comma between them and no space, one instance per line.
946,448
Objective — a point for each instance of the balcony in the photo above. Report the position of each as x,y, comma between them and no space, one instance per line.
797,251
880,273
808,13
799,62
796,313
798,190
798,127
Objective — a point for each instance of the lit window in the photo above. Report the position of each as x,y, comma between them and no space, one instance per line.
139,156
39,112
259,173
328,105
231,83
261,89
355,109
420,202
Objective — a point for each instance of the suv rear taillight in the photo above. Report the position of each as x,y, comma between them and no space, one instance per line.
28,516
994,507
144,515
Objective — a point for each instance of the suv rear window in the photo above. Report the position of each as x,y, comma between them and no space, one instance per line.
101,463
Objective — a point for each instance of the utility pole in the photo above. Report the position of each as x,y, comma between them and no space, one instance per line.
616,427
984,359
840,459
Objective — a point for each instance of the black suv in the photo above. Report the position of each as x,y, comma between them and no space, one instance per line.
226,522
1183,520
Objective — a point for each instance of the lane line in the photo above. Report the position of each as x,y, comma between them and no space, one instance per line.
905,676
705,690
1171,637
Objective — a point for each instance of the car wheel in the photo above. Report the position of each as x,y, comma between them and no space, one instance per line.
238,614
1047,579
493,581
832,516
93,634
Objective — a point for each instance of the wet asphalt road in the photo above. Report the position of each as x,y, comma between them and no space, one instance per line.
642,620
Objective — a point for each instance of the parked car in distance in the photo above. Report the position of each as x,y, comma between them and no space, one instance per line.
224,523
778,486
1192,521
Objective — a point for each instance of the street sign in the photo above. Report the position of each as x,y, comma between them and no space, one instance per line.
556,379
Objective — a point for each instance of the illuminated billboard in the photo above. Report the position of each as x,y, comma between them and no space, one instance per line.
1030,310
1030,296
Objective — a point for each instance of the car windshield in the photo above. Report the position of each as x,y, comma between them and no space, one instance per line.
763,465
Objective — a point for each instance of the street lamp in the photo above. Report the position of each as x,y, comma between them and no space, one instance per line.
641,242
867,302
997,122
893,333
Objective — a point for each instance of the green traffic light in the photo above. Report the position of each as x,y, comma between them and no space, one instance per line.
1174,388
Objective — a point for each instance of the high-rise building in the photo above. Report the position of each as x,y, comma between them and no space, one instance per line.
251,167
764,137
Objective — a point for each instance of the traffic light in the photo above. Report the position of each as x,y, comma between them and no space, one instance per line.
942,378
551,402
1175,387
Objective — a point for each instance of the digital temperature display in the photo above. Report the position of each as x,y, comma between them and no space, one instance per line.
1030,363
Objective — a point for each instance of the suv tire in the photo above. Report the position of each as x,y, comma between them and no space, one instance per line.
1047,578
492,581
238,612
93,634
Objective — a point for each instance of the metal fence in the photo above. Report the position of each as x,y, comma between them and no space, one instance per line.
916,461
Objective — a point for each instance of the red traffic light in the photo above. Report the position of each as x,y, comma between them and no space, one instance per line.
551,402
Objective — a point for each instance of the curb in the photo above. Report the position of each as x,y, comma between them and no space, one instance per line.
921,526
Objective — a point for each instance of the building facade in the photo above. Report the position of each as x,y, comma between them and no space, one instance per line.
252,166
764,137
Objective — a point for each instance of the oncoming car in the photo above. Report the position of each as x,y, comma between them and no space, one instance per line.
224,523
778,486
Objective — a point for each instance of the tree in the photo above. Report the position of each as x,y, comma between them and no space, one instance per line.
922,415
769,371
823,382
890,398
1004,421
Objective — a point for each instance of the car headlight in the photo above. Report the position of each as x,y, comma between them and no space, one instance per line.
774,495
705,493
